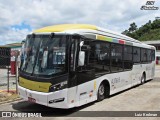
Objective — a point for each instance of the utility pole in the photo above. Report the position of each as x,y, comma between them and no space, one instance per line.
17,71
8,78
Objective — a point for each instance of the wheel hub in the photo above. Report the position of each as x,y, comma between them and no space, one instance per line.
101,90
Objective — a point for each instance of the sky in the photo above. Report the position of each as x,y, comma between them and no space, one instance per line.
20,17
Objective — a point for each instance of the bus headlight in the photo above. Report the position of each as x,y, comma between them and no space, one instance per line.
58,86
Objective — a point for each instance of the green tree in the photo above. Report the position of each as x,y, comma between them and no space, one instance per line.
125,32
156,24
132,27
148,31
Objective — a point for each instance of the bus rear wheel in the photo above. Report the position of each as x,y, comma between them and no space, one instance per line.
101,92
143,79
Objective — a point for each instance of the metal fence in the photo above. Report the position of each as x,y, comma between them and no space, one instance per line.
5,57
7,81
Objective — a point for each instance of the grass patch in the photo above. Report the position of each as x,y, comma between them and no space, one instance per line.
8,96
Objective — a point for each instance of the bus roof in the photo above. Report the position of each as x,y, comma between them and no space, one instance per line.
87,29
81,27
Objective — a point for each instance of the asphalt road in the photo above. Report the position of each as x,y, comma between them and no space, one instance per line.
128,103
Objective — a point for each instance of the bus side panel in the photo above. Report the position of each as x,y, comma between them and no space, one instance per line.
153,69
86,92
149,69
136,74
119,81
71,97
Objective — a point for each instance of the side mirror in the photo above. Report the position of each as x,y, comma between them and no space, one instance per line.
81,58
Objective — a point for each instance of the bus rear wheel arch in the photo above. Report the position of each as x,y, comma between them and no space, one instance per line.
103,90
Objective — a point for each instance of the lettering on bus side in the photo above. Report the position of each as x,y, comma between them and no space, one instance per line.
115,80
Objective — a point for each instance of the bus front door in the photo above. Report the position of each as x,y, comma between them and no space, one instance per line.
85,85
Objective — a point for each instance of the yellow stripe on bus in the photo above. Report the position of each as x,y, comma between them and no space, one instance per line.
101,37
63,27
33,85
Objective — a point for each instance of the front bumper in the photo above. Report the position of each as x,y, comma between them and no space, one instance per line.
57,99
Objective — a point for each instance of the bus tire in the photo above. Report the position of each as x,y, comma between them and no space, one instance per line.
101,92
143,78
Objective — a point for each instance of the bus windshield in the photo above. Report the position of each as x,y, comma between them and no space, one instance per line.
44,55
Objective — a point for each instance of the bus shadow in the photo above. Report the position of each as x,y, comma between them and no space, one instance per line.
27,107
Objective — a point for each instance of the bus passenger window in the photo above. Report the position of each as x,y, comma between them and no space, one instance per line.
136,55
127,59
153,55
149,55
143,55
99,57
116,57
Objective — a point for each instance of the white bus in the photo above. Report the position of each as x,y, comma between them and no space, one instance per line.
71,65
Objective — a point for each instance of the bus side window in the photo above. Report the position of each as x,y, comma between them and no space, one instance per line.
153,55
149,55
99,57
143,55
136,55
127,59
116,57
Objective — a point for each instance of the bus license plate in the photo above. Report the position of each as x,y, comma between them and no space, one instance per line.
31,100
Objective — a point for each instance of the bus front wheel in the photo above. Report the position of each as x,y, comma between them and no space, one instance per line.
101,92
